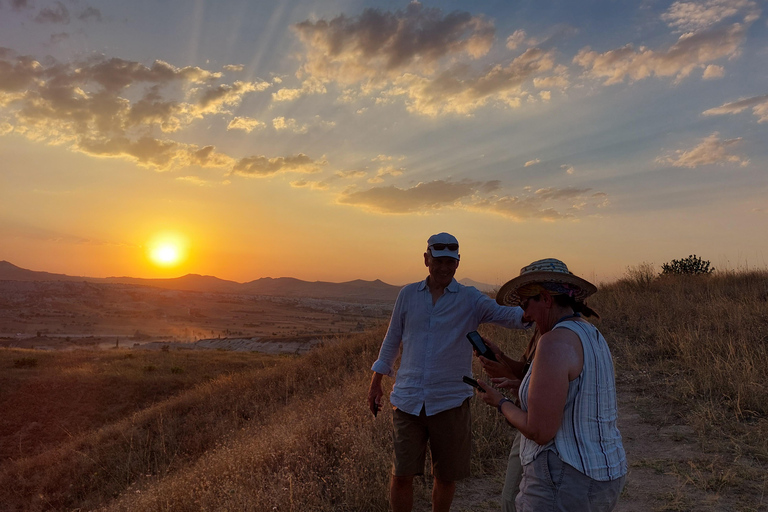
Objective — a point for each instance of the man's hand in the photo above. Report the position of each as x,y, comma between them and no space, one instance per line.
375,392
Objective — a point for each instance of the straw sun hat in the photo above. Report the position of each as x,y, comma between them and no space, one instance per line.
544,271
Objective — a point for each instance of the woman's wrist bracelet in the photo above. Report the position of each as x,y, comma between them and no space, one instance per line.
501,402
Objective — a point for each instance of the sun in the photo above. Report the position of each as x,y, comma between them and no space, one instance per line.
166,254
167,249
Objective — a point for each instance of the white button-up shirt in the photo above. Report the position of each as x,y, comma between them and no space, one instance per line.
435,351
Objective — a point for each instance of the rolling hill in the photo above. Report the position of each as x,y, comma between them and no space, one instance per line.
283,286
280,287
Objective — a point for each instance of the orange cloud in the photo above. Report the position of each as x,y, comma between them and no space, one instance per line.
386,172
82,106
312,185
712,72
701,15
421,56
350,174
116,74
691,51
262,166
534,206
378,45
758,104
310,86
561,193
711,150
459,91
214,100
145,151
290,124
516,39
423,197
247,124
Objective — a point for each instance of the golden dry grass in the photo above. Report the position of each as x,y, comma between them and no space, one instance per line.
696,349
48,397
297,435
703,342
157,441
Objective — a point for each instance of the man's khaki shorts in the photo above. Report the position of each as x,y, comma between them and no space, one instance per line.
450,442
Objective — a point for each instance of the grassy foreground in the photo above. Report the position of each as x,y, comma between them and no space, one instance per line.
293,433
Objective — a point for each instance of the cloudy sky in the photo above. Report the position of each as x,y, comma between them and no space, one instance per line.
328,140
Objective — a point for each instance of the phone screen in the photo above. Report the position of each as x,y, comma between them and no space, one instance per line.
477,342
472,382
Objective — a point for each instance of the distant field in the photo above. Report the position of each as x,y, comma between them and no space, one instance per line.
86,314
247,432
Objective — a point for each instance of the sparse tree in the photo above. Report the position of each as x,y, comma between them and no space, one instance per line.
692,265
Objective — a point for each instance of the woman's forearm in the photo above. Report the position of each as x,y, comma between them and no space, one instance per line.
518,418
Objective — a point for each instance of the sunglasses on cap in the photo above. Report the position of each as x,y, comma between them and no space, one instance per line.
442,247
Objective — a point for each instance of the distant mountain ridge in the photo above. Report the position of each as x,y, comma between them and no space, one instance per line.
483,287
280,287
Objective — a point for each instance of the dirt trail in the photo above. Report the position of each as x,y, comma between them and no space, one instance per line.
661,459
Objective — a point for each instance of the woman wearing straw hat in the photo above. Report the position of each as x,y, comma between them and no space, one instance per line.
571,450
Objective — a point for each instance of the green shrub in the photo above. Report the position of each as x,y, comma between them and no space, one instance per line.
692,265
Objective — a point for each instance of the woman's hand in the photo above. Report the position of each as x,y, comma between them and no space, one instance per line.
513,385
494,348
494,368
491,396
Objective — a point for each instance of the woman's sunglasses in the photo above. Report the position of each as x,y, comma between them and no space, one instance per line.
527,300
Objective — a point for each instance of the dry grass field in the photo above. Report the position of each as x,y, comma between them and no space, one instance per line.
262,433
50,397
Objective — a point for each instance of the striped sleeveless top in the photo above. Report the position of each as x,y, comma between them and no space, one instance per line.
588,438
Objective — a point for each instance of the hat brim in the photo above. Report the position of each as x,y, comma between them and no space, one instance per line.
445,252
507,295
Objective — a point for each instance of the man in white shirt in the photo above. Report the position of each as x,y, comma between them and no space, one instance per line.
429,322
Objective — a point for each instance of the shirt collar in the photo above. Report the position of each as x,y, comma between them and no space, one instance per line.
453,287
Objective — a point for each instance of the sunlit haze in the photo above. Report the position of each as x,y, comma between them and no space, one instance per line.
328,140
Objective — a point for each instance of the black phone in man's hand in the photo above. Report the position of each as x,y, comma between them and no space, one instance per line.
472,382
478,344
